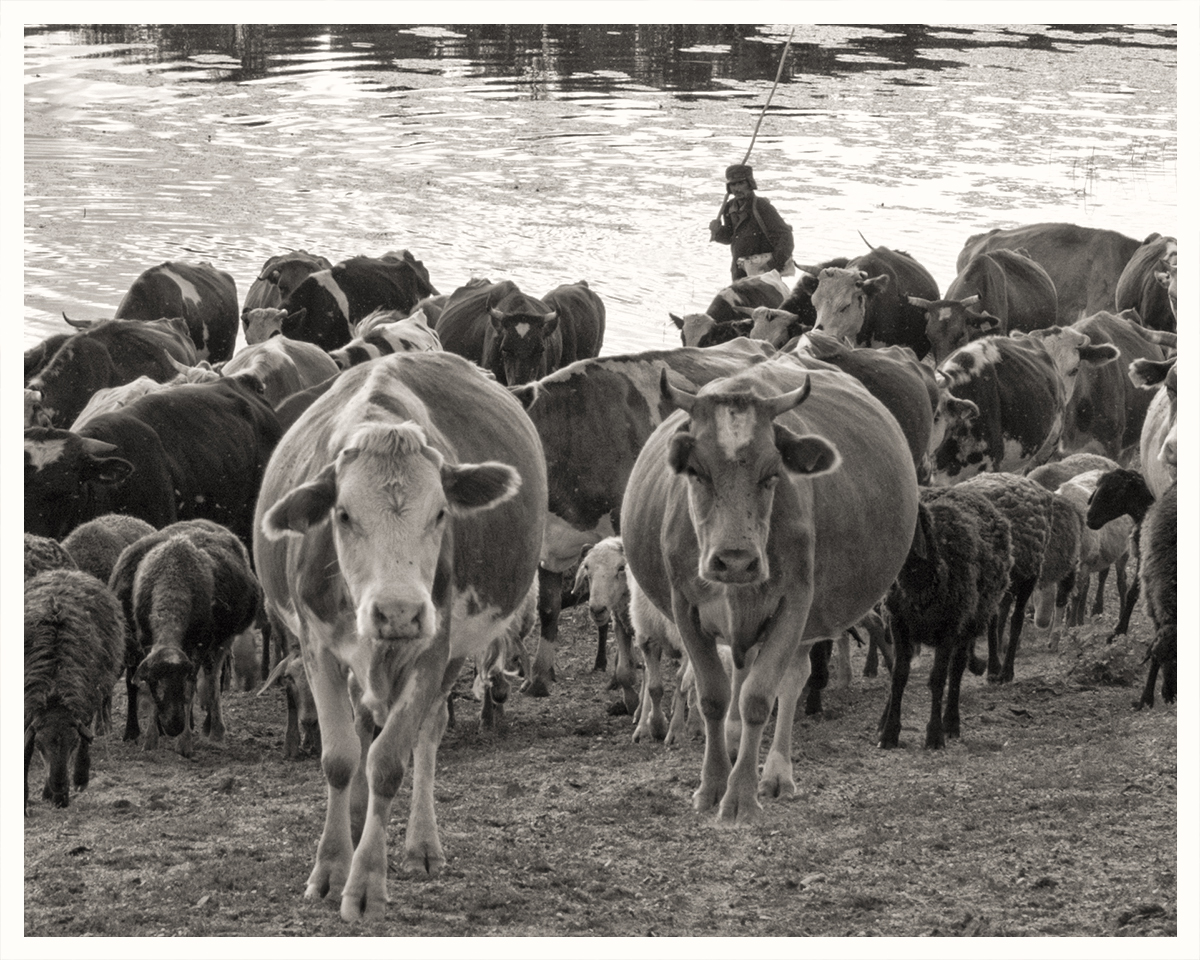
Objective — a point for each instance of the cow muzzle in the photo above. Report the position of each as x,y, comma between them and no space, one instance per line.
741,567
395,619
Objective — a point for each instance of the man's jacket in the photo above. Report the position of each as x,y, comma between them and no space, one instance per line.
755,227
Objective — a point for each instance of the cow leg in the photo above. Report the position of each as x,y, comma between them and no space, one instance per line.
818,680
677,731
733,717
951,721
601,648
935,739
713,689
651,722
776,651
777,778
1024,591
340,751
843,662
420,694
549,608
902,651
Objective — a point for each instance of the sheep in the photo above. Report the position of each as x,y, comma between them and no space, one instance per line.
1122,492
1098,549
43,553
186,591
1054,475
1060,565
1159,581
74,639
946,594
602,573
1029,509
96,545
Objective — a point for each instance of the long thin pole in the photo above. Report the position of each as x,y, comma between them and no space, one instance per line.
778,74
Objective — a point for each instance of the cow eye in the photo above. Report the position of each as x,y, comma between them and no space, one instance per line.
697,475
343,516
441,515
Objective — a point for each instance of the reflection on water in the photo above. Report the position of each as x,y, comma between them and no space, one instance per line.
549,154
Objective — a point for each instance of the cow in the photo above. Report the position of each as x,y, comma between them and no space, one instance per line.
778,327
771,510
194,451
326,304
1085,263
1106,410
186,592
397,533
996,292
384,332
279,276
106,354
1157,444
1020,386
592,417
729,305
205,297
866,301
1140,287
283,366
521,338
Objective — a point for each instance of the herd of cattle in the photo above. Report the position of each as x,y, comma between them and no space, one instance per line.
387,482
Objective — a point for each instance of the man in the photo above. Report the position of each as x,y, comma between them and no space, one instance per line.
759,238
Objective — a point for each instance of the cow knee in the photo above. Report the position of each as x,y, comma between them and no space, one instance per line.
713,708
338,770
756,709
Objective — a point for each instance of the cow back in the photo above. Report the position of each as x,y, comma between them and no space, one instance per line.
205,297
580,321
279,276
283,366
1011,287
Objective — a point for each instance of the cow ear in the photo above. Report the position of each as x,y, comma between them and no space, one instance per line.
108,470
526,394
303,507
809,454
961,409
497,319
919,302
470,487
678,321
876,284
679,450
984,323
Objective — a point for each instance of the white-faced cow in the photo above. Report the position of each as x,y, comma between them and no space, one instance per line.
767,517
1158,448
205,297
105,354
397,534
723,320
996,293
1019,386
1140,286
279,276
593,417
325,306
1085,263
866,301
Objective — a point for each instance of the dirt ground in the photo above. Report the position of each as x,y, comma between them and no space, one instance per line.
1054,815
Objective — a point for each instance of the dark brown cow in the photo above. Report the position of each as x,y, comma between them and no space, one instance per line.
1084,263
279,276
203,296
1140,287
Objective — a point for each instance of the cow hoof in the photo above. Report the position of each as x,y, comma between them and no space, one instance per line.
363,905
326,880
739,811
423,863
705,798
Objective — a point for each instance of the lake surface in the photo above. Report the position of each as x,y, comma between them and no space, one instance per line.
551,154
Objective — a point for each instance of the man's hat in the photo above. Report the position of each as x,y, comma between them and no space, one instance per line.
740,171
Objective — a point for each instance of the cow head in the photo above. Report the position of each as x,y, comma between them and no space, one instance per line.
389,496
263,323
692,327
519,348
1070,349
952,417
168,676
62,473
317,311
840,299
1167,276
733,455
950,324
775,326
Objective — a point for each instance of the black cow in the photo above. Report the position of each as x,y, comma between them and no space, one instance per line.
203,296
193,451
279,276
326,304
106,354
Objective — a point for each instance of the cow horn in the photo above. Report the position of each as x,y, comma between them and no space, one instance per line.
99,448
788,401
179,367
547,317
77,324
680,398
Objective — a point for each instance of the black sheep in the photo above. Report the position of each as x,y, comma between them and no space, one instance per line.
183,608
43,553
74,637
945,595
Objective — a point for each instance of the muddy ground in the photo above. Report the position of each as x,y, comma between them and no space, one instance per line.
1054,815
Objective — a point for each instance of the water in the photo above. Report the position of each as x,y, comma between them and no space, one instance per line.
547,155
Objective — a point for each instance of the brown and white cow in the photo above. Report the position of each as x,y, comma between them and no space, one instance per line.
397,533
722,320
283,366
1158,444
593,417
771,511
